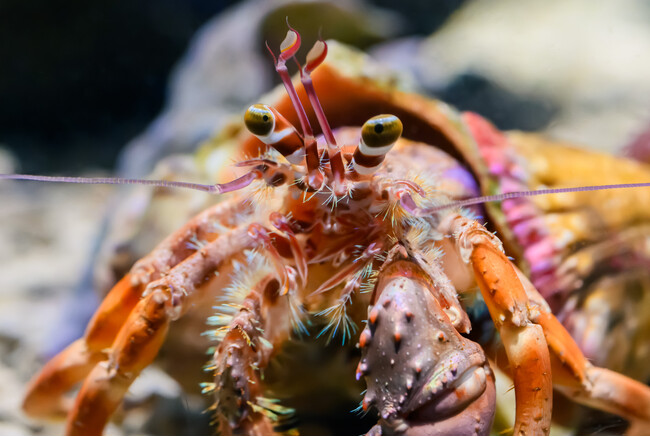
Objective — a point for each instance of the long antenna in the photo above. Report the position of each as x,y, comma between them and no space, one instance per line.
408,203
237,184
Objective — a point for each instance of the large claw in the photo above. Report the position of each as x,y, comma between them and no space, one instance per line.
422,375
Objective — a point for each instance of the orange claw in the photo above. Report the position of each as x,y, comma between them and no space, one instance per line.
525,345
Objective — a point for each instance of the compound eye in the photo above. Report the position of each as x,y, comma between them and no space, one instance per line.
259,120
381,131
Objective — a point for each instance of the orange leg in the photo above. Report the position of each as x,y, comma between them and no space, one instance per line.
134,348
141,336
587,384
206,226
594,386
45,392
509,308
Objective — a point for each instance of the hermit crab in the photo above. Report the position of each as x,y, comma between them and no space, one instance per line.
354,235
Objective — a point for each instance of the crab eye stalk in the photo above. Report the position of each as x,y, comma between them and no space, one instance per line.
270,127
378,135
259,120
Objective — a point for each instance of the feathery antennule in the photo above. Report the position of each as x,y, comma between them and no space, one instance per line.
360,275
288,49
354,269
337,314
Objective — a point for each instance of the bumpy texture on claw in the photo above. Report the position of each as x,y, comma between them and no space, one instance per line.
422,375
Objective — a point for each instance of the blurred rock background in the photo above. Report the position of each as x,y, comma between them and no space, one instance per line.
82,80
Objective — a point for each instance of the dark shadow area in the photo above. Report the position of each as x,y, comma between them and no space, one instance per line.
82,78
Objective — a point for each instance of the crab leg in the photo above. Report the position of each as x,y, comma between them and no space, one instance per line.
248,343
44,395
511,312
587,384
175,248
139,340
45,392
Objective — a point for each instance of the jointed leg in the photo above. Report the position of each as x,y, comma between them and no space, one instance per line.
514,317
139,340
45,393
571,372
587,384
248,342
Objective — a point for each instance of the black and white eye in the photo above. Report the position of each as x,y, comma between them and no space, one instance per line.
259,120
381,131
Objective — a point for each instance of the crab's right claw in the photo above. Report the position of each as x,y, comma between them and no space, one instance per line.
422,375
